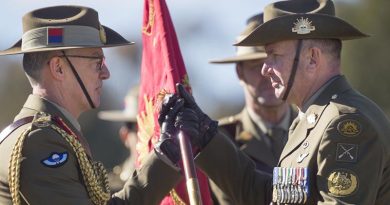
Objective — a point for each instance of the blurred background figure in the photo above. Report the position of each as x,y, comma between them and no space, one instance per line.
261,128
128,135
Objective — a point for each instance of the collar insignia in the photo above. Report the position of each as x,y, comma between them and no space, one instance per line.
55,159
301,157
311,118
303,26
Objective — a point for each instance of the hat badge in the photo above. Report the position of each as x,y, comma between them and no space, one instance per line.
303,26
102,33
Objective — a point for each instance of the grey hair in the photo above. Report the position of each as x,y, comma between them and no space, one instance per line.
331,47
33,64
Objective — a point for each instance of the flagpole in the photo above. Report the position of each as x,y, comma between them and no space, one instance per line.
189,170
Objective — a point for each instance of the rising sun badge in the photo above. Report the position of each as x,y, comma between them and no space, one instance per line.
303,26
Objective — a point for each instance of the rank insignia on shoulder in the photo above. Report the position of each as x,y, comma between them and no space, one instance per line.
55,160
42,119
342,182
349,128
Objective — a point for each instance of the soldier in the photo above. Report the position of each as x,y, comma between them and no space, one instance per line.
45,158
338,147
128,135
260,130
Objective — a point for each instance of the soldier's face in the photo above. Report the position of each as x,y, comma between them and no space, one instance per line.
256,86
92,72
278,65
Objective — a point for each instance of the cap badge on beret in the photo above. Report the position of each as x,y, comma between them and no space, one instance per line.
303,26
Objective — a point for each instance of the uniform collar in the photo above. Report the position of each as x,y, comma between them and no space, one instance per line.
38,103
67,114
35,103
311,100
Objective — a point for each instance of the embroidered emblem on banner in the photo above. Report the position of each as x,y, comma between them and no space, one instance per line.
55,35
346,152
342,182
55,159
303,26
349,128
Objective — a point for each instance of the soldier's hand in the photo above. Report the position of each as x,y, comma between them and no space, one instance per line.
194,122
168,144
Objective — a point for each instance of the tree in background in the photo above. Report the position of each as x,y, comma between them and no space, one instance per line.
366,62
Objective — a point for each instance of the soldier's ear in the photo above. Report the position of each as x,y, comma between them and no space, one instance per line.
239,71
314,58
55,67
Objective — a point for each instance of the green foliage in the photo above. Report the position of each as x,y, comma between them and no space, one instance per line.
366,61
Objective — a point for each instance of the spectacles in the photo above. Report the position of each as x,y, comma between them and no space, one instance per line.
102,60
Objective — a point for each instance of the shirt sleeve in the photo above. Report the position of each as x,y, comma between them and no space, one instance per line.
149,184
49,171
234,173
350,161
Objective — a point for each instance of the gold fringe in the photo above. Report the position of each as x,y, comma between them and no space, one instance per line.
176,198
94,174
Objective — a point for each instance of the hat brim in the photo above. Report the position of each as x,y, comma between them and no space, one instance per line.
240,58
280,28
117,116
113,40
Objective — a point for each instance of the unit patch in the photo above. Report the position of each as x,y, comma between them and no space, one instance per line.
346,152
55,35
342,182
55,159
349,128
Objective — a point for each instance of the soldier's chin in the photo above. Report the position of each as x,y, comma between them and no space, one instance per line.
270,102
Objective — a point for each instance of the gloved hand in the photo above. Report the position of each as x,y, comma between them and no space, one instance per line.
194,122
168,144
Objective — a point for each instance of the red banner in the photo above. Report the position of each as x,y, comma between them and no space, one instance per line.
162,68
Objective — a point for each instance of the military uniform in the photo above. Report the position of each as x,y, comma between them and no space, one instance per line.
46,159
253,141
50,170
338,153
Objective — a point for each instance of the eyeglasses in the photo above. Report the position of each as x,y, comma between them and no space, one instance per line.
99,67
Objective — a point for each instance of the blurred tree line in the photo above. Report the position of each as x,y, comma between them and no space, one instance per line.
366,61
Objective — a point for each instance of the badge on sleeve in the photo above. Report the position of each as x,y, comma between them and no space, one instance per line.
346,152
55,160
342,182
349,128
